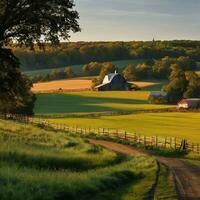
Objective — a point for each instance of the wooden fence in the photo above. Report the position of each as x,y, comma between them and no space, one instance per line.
171,143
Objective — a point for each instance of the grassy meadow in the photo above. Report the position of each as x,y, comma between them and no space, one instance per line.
180,125
172,124
43,164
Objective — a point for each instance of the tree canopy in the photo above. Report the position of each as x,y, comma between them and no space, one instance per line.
28,22
182,84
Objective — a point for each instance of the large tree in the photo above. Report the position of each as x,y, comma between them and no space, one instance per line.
29,22
177,84
182,84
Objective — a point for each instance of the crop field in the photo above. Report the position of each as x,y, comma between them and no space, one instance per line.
65,85
43,164
79,84
180,125
78,68
93,102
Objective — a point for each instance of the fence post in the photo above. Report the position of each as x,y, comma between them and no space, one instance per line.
125,135
175,145
135,138
170,142
165,142
192,147
144,141
156,141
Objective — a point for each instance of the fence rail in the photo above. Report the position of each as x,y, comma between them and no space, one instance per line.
172,143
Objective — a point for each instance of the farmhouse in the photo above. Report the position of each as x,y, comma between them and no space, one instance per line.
189,103
158,94
115,82
158,97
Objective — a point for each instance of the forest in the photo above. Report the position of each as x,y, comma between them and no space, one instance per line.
73,53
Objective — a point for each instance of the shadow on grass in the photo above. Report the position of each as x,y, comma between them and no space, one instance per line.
51,162
69,103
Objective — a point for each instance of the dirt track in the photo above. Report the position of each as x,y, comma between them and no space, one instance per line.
187,177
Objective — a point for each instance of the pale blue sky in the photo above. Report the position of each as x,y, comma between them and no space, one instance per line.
110,20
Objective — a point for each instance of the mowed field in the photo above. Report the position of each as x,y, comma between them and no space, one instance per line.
172,124
180,125
93,102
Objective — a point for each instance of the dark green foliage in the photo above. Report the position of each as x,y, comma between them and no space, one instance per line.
15,94
159,69
93,68
28,22
193,88
182,85
177,85
86,52
55,75
137,72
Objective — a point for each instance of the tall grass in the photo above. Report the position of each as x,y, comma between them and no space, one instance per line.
46,165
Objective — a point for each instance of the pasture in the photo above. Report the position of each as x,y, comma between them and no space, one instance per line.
93,102
78,68
172,124
43,164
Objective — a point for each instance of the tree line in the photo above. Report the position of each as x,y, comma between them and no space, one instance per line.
72,53
157,69
150,69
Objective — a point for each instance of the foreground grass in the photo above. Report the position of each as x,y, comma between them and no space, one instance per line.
93,102
42,164
180,125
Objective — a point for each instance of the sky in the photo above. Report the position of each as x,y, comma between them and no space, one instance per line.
128,20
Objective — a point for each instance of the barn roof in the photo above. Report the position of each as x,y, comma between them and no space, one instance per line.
158,93
98,86
108,78
183,101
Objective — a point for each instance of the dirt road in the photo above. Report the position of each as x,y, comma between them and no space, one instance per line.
187,177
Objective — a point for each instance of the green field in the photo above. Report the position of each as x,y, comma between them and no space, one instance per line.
180,125
172,124
93,102
42,164
78,68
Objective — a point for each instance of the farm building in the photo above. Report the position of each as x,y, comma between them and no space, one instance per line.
189,103
158,97
115,82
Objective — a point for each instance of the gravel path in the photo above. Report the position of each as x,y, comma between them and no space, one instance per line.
187,177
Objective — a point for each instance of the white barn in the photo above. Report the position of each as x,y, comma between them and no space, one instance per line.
192,103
